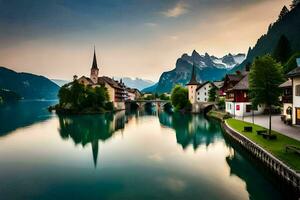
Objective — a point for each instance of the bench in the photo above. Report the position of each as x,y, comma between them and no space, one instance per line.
266,135
292,148
247,128
261,132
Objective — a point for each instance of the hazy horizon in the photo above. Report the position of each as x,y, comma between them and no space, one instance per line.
132,38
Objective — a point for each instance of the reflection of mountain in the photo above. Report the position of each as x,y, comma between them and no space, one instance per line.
245,171
86,129
191,129
23,113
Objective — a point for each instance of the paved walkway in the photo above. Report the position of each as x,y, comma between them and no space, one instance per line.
277,125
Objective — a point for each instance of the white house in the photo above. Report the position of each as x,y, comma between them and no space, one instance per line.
294,75
202,91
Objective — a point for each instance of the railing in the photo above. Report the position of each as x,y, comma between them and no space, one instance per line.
277,166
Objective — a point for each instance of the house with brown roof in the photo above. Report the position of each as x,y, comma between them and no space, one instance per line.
237,101
116,89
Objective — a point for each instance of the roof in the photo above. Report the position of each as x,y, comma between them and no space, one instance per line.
88,79
201,85
218,84
234,77
243,84
94,65
294,73
193,80
286,84
111,82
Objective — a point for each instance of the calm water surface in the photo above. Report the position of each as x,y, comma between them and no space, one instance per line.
145,155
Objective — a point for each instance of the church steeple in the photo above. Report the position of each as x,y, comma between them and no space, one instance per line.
94,69
94,65
193,80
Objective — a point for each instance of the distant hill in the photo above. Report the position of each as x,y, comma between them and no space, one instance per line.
60,82
208,68
28,86
137,83
288,25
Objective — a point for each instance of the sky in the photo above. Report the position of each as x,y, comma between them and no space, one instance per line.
133,38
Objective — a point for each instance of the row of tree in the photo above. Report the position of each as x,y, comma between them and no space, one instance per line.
77,98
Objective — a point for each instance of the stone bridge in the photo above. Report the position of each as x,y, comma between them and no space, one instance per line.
203,107
141,103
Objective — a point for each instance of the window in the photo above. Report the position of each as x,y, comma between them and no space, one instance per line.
297,90
198,93
237,107
205,99
248,108
205,93
198,98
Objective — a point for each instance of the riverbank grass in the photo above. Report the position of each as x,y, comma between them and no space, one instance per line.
275,147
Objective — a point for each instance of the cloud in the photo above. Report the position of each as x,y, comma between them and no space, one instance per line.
179,9
151,24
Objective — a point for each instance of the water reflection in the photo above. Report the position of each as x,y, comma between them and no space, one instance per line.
191,129
91,128
23,113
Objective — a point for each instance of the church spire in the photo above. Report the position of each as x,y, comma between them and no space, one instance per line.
193,80
94,66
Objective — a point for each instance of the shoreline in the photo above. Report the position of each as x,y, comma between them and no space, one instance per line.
276,166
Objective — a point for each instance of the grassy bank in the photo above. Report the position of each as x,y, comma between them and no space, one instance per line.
220,115
275,147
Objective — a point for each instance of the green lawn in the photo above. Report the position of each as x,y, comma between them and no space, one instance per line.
275,147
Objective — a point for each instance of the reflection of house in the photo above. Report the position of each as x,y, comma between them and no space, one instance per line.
294,75
287,100
237,101
116,90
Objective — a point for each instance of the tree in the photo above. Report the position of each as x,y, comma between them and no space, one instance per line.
291,63
179,98
295,3
282,51
264,80
212,93
283,12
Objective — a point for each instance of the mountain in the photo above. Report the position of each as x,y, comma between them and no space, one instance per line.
137,83
208,68
60,82
288,25
28,86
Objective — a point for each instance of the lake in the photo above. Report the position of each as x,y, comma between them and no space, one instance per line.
147,154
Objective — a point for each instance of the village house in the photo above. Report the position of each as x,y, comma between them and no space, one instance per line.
287,101
133,94
294,76
198,93
116,89
237,101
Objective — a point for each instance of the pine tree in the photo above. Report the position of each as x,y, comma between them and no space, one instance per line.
294,3
283,12
282,51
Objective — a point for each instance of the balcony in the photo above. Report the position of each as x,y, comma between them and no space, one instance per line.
287,99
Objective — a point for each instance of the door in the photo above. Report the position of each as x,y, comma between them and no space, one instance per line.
298,116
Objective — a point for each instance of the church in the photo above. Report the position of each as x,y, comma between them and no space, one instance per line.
117,90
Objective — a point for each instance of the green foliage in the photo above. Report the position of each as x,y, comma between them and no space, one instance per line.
265,77
221,104
282,51
283,12
179,98
295,3
78,98
291,63
212,93
164,97
8,96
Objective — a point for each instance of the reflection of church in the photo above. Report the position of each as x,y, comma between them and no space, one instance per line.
90,129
